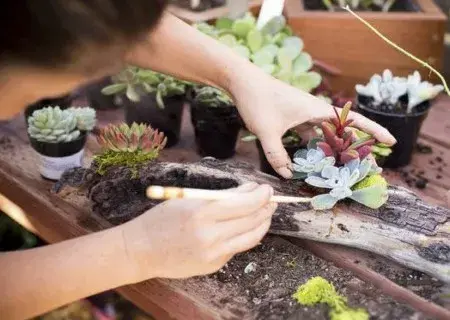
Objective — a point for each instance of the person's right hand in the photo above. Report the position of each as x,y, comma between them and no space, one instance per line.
185,238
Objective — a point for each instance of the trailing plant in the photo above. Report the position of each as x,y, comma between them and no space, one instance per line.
379,5
130,146
53,125
211,96
136,82
387,91
338,161
318,290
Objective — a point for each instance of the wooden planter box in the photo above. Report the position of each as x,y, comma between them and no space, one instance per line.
340,40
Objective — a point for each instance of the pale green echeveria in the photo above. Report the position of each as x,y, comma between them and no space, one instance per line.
135,82
309,162
86,117
212,97
341,180
420,91
53,125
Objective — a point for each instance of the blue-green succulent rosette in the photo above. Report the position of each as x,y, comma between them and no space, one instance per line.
358,179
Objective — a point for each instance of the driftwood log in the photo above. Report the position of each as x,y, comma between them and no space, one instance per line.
405,229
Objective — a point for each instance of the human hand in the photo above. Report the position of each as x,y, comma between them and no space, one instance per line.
185,238
270,107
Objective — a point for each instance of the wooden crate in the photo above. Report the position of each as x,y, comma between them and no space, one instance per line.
340,40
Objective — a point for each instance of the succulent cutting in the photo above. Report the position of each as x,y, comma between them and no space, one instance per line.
338,161
53,125
135,82
128,145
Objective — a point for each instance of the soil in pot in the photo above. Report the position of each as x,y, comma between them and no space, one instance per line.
265,166
64,102
204,4
404,127
96,98
167,119
398,6
216,130
55,158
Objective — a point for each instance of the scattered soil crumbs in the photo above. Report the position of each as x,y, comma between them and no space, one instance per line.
5,143
276,268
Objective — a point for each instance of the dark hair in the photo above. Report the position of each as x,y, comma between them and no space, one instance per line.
51,33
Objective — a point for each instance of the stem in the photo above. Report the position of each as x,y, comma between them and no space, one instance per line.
378,33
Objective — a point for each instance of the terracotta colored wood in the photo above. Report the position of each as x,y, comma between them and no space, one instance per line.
337,38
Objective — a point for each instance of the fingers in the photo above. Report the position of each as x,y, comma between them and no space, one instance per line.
243,204
373,128
276,155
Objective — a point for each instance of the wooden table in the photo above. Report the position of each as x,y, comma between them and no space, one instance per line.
57,219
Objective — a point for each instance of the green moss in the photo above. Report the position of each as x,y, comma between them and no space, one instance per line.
131,160
375,179
318,290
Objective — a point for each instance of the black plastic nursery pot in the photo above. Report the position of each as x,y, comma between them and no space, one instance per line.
64,102
96,98
404,127
216,129
167,119
265,166
55,158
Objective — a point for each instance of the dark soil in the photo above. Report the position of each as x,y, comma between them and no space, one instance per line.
279,266
398,6
204,4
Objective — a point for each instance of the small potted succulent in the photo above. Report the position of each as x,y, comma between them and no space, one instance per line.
400,105
216,122
338,166
278,52
59,137
63,102
152,98
129,146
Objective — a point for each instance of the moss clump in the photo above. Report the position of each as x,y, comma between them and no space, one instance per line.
128,159
318,290
372,180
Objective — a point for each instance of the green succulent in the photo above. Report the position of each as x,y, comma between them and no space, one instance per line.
379,150
51,124
86,118
135,82
211,96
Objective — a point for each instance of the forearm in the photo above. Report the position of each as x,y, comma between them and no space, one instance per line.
38,280
177,49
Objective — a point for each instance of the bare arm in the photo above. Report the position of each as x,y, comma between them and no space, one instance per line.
38,280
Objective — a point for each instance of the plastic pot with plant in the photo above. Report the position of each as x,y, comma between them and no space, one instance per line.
63,102
400,105
216,122
151,98
59,137
338,166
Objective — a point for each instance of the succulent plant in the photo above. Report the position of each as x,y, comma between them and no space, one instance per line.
211,96
135,82
379,150
386,90
86,117
339,141
53,125
130,146
349,181
310,162
381,5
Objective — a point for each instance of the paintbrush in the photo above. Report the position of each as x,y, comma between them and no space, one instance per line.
167,193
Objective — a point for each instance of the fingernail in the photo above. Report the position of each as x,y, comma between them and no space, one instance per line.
285,173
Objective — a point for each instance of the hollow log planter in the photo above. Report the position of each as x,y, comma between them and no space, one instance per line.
337,38
405,229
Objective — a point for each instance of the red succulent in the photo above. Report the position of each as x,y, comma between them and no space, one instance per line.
339,142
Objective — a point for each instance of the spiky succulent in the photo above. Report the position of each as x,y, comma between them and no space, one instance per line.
135,82
130,146
86,117
53,125
342,180
211,96
339,141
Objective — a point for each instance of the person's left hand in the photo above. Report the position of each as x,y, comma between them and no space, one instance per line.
270,107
